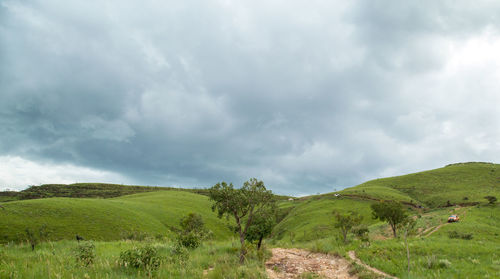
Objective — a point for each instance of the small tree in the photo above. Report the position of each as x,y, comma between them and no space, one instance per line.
491,199
193,231
408,227
31,237
346,221
262,226
192,222
242,204
361,232
390,211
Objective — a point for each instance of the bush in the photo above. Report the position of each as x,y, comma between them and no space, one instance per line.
455,234
2,256
361,232
141,257
434,263
491,199
190,240
135,235
180,253
85,253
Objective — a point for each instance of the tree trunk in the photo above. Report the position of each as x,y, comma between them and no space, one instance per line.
394,230
260,242
407,251
243,250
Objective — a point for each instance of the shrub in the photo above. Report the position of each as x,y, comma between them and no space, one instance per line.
455,234
192,222
190,240
361,232
444,263
434,263
2,256
141,257
180,253
85,253
135,235
491,199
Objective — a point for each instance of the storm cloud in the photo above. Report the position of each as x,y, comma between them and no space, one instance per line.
309,96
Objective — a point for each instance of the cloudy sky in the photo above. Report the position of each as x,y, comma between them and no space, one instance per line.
309,96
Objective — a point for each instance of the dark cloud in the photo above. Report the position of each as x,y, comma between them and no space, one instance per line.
309,97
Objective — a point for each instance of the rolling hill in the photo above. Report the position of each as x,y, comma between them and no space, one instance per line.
463,183
152,213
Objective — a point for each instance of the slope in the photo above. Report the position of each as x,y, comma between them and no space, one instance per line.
311,217
152,213
463,183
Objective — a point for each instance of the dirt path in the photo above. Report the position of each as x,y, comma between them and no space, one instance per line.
291,263
462,214
353,257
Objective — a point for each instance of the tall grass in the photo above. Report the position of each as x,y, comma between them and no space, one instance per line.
58,260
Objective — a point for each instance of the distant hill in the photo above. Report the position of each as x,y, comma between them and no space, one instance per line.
153,214
85,190
462,183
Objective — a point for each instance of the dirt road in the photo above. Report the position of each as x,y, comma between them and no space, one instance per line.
291,263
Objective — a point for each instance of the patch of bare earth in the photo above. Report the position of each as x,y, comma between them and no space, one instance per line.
291,263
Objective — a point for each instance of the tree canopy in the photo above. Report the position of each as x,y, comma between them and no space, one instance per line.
390,211
242,204
346,221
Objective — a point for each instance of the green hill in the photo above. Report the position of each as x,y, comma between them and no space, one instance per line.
153,213
85,190
463,183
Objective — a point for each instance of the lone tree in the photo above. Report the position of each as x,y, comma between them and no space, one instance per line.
32,238
390,211
346,221
408,227
193,231
262,225
192,222
491,199
242,204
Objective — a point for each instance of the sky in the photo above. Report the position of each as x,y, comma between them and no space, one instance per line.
308,96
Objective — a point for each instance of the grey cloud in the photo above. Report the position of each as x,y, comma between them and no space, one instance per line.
307,97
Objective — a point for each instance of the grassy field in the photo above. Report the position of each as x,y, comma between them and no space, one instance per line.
153,214
58,260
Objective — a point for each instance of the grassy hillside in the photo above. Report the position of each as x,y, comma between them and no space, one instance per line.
313,219
464,183
85,190
154,213
439,256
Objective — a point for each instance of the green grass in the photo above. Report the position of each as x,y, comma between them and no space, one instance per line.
457,183
86,190
57,260
154,213
475,258
313,218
